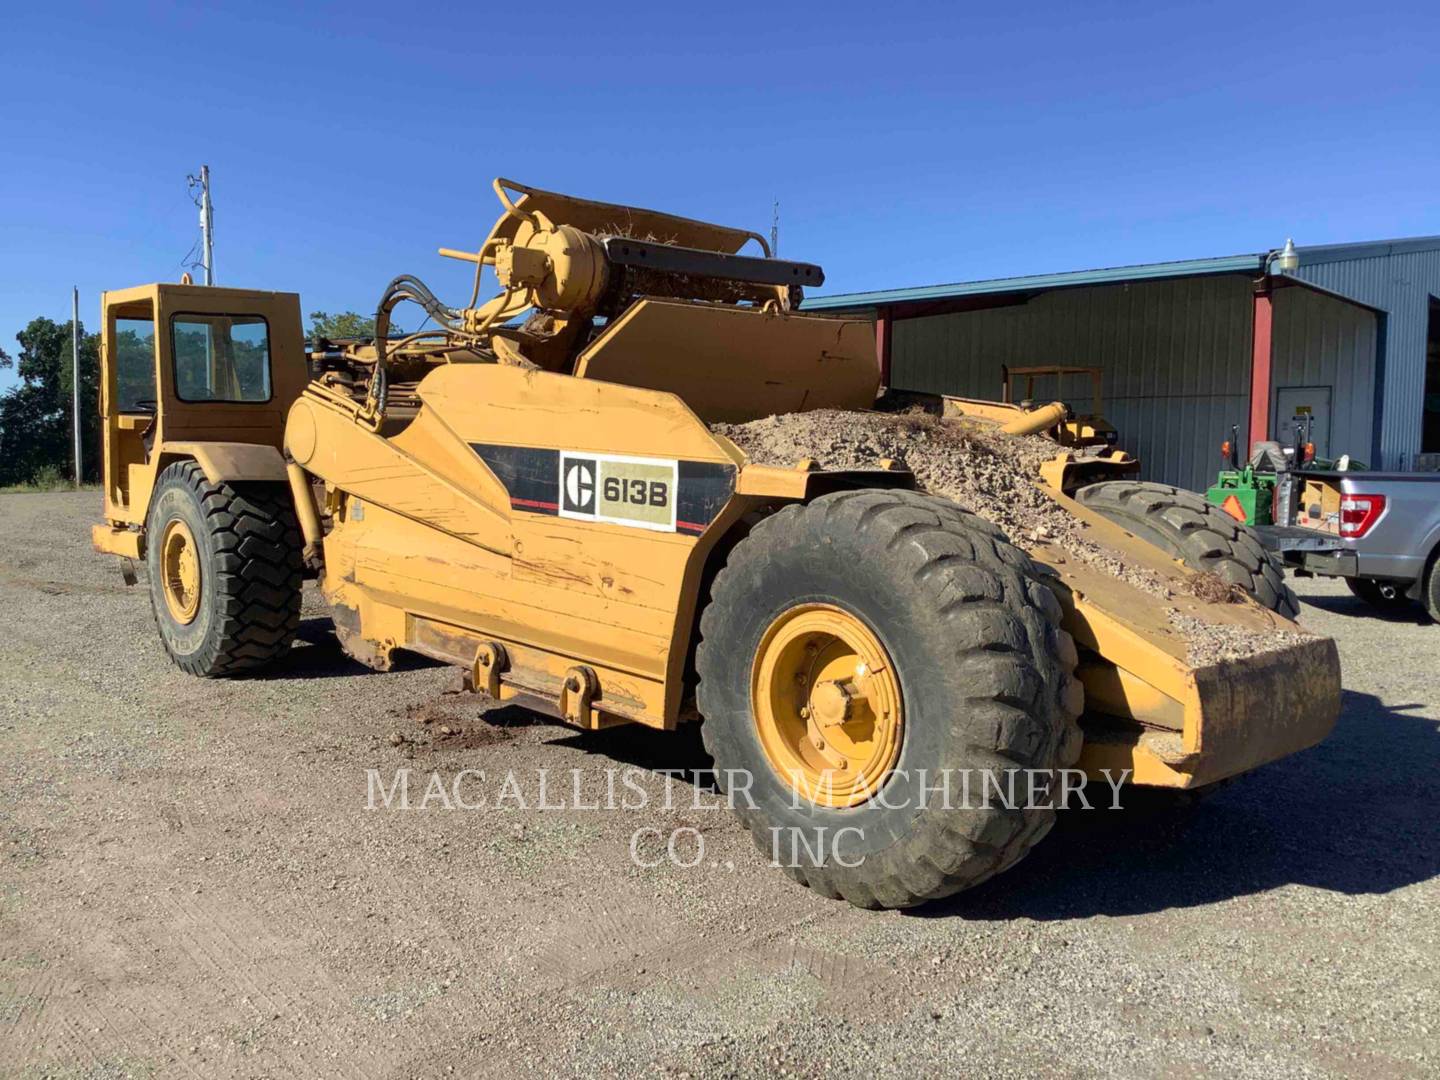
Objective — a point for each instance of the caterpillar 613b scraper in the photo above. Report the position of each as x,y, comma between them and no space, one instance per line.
533,490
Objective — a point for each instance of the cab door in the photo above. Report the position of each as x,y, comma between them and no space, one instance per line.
129,398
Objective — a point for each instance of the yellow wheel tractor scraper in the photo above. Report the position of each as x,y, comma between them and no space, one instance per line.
533,491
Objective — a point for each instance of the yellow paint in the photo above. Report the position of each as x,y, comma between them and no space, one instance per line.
180,573
1037,420
827,707
594,621
230,440
793,362
113,540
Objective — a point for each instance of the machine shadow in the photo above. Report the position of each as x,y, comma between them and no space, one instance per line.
317,655
680,753
1412,614
1353,815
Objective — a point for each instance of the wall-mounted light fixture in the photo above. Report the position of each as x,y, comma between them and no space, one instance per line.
1283,261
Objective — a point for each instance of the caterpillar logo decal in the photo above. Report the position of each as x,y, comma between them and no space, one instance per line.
577,487
622,490
660,494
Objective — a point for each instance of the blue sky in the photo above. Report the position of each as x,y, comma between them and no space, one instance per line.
907,144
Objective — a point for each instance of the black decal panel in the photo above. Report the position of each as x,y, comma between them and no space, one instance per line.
705,488
532,476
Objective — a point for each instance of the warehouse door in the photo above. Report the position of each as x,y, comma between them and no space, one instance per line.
1311,403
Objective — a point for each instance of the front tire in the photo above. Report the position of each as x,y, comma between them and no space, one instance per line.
982,680
1205,538
225,570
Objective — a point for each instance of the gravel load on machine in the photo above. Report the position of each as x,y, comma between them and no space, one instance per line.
994,475
1208,644
989,473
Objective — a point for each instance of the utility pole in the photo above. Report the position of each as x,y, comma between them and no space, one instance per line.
775,230
75,374
207,226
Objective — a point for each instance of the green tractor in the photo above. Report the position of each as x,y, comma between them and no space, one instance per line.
1244,492
1265,490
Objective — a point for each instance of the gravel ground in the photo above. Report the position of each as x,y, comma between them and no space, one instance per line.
191,885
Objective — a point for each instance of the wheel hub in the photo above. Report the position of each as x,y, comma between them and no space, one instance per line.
833,702
826,703
180,571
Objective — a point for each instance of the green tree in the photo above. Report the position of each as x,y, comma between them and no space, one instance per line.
347,324
35,414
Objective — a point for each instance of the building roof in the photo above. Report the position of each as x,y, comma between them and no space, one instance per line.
1367,249
1230,264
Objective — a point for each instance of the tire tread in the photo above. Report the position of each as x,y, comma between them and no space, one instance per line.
1203,536
259,573
1002,624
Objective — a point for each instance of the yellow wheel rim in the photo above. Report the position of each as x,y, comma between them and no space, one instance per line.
826,702
180,571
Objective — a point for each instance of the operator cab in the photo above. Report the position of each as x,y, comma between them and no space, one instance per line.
192,371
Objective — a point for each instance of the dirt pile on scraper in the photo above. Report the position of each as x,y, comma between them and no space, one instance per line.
993,475
1207,643
986,472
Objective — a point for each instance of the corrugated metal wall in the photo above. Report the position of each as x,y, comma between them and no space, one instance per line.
1176,357
1320,341
1400,284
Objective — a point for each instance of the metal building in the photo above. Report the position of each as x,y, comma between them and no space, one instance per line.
1349,335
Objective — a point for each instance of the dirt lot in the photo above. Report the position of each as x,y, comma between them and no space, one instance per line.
191,884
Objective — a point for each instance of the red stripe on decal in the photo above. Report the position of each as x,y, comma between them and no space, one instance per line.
533,503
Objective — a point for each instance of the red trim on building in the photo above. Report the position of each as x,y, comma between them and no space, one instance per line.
1261,344
884,325
887,315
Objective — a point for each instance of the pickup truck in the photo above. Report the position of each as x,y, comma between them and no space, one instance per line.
1380,531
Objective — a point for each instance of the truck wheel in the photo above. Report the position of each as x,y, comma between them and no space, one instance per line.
859,653
1203,537
1431,593
225,570
1381,595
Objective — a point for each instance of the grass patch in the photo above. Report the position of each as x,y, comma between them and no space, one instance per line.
43,488
49,478
46,478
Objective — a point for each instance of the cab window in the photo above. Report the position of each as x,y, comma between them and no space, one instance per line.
135,365
221,357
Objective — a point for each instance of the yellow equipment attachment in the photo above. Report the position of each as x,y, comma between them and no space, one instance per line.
1085,429
1087,455
1017,396
532,491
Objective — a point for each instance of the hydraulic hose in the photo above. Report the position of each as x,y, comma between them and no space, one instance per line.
405,287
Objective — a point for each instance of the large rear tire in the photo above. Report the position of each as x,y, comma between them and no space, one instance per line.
225,570
1203,537
980,679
